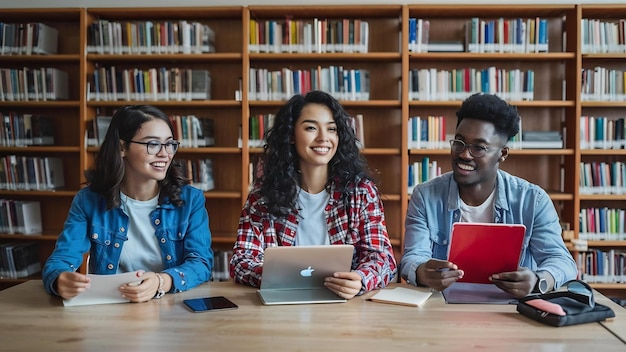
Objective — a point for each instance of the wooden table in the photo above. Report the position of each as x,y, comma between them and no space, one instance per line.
31,320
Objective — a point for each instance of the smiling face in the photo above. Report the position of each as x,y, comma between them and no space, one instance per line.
315,137
140,166
478,175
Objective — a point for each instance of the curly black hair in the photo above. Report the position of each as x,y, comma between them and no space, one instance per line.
105,178
490,108
279,176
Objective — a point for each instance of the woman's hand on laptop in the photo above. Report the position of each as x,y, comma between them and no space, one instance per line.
344,284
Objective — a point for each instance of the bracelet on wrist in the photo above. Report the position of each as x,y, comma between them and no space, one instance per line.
159,293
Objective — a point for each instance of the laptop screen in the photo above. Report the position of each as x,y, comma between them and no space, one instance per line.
303,267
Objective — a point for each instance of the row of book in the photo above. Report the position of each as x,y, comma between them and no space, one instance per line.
602,133
342,83
422,171
258,125
28,39
602,224
431,84
30,173
603,84
603,177
419,39
38,84
599,36
221,265
309,36
191,131
430,133
200,172
518,35
20,216
152,84
598,266
19,259
150,37
536,140
24,129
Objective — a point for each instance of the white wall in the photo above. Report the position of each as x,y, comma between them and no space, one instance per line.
169,3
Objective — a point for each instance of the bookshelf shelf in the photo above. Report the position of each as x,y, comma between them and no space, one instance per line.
604,152
34,237
607,243
213,57
323,57
498,57
555,105
41,104
172,104
213,194
37,59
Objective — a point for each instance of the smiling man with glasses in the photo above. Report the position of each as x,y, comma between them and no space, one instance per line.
478,191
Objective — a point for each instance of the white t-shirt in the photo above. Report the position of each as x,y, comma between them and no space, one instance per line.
141,250
479,213
312,229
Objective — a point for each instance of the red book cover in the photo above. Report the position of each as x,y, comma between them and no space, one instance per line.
483,249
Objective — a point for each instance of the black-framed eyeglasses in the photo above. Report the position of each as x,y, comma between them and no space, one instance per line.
476,150
578,290
154,147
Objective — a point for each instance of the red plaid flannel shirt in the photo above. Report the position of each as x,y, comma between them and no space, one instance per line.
364,227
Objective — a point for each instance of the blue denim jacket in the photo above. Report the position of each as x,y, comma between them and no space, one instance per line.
434,207
183,233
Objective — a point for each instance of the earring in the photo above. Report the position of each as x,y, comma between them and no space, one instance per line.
502,159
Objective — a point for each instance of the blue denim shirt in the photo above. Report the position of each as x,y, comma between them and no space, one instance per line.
183,234
434,207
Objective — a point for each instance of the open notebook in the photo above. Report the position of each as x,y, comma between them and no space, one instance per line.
295,274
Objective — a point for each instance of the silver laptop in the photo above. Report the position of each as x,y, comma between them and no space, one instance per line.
295,274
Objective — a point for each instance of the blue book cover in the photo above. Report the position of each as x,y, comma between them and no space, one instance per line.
412,31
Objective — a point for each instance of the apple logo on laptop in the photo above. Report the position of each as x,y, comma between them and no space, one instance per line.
307,272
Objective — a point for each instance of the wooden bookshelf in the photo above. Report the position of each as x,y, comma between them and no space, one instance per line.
65,113
557,103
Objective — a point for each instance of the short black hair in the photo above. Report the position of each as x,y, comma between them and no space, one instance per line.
491,108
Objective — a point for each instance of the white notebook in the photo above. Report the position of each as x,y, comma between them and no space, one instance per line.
413,297
104,290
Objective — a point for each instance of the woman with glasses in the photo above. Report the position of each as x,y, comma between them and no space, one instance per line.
314,189
138,213
478,191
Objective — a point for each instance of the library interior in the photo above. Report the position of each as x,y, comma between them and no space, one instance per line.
221,73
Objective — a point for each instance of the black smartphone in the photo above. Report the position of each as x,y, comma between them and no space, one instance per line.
206,304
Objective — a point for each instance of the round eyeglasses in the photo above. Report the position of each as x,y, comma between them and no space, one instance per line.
475,150
154,147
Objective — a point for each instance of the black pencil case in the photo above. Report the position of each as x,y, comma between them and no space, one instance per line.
573,304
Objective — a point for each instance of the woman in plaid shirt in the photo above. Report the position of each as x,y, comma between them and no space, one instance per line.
313,188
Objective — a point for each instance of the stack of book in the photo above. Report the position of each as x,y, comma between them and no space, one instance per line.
28,39
20,216
19,172
200,172
19,259
150,37
19,130
151,84
542,140
221,263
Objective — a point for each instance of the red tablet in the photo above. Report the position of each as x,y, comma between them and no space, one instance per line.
483,249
